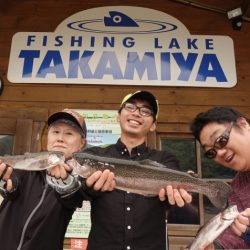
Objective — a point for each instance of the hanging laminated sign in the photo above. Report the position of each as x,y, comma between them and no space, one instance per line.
122,45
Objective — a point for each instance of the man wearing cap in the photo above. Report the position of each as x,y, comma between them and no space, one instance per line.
31,215
121,220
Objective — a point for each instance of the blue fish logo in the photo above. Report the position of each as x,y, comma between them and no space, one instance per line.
112,25
119,19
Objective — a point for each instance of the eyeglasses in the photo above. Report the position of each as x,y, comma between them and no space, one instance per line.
219,143
144,111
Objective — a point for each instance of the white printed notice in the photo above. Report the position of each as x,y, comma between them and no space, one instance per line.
102,130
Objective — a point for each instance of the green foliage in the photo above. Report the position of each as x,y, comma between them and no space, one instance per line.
184,150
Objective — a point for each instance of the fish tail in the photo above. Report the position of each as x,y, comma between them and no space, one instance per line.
220,200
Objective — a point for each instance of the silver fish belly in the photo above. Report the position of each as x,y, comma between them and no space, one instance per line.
148,177
211,230
34,161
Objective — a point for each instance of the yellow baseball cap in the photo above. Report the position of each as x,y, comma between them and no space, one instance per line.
143,95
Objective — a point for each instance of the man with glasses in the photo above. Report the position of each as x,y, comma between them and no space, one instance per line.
224,133
125,221
121,220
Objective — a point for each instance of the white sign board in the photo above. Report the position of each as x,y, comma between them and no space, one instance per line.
122,45
102,130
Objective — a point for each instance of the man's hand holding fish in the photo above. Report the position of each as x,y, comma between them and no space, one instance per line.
175,196
99,181
60,171
241,225
5,181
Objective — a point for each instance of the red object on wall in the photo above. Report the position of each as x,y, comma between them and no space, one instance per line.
77,244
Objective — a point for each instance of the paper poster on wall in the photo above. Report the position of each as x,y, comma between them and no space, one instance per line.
79,225
102,130
102,127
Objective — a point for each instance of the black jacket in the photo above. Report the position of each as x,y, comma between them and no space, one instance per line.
32,218
122,220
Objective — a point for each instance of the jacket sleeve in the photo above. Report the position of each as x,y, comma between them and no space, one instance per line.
71,202
16,177
229,240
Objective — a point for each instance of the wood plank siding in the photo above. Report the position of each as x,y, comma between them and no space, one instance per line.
25,107
177,104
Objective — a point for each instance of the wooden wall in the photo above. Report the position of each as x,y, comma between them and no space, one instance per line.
177,104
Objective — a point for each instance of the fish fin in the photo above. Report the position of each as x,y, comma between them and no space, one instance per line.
200,228
221,199
135,191
148,162
193,174
148,195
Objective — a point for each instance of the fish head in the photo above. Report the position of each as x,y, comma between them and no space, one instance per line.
230,213
55,158
81,166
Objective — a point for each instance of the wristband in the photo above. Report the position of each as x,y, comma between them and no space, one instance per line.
65,187
3,186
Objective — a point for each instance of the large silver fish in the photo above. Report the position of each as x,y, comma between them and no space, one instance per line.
214,227
34,161
148,177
